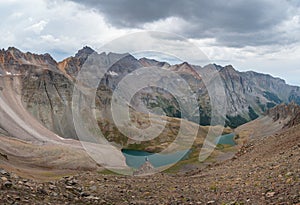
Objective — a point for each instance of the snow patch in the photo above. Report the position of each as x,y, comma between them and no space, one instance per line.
63,139
11,74
112,73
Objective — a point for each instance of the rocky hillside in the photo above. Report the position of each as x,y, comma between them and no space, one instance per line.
265,171
294,121
287,112
275,120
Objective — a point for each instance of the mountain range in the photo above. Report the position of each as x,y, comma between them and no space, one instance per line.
47,87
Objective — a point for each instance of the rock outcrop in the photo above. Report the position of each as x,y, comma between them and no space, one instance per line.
287,112
284,111
145,169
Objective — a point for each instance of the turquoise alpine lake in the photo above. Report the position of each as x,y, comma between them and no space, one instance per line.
227,139
135,158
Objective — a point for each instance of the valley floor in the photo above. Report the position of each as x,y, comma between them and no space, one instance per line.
264,171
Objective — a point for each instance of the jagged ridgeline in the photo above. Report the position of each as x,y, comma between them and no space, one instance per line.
47,88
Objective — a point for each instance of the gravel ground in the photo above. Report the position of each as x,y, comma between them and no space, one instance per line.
264,171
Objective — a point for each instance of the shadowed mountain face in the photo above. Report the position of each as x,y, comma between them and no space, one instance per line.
46,88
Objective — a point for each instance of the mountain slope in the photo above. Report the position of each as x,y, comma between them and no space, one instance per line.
33,83
265,171
248,94
47,88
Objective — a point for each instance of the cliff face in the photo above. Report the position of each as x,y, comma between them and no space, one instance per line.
248,94
45,91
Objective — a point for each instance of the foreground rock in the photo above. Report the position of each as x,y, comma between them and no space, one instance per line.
265,171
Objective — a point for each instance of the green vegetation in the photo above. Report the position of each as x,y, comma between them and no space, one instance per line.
294,98
108,172
272,97
135,146
204,117
192,159
252,114
227,131
171,111
270,105
213,188
235,121
220,147
262,106
169,133
170,107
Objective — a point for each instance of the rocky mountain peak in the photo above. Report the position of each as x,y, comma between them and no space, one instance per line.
115,57
218,67
228,69
13,50
186,68
146,62
84,52
13,56
185,65
72,65
229,73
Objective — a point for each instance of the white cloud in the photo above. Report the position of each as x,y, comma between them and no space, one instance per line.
170,24
58,27
37,27
277,60
49,38
62,27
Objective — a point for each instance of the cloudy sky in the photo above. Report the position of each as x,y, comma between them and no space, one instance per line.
260,35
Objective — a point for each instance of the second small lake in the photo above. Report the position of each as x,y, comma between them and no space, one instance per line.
226,139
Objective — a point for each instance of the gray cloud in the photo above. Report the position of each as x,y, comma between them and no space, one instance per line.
235,23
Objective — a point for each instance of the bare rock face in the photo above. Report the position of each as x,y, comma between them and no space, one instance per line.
44,89
48,96
258,91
